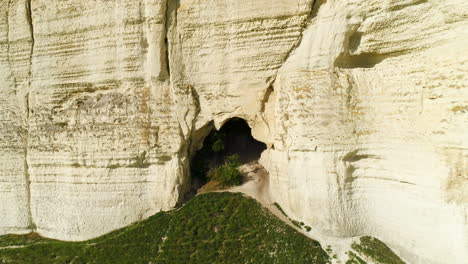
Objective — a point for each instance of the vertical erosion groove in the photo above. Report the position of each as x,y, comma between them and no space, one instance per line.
31,32
166,40
8,36
266,97
28,12
314,7
167,22
31,224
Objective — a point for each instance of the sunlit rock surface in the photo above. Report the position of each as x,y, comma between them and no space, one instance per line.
371,126
363,106
89,140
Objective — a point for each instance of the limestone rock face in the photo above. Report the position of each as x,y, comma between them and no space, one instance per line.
89,140
373,104
363,106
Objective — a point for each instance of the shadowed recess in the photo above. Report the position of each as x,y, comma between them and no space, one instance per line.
234,138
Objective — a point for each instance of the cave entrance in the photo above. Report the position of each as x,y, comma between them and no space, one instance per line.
234,138
237,139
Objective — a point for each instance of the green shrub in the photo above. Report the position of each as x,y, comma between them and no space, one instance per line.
217,142
213,143
227,174
213,146
279,208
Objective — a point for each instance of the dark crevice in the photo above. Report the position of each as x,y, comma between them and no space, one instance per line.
29,19
354,156
398,7
168,66
266,97
31,31
27,176
196,135
355,41
351,57
348,60
169,21
363,60
187,189
314,8
8,36
166,40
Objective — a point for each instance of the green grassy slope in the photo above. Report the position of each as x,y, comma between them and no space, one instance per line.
373,250
210,228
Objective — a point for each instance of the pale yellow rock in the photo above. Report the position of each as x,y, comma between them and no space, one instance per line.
91,107
363,105
371,130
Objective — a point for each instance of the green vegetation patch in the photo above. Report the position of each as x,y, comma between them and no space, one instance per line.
206,157
21,240
296,223
280,209
354,259
376,250
227,174
211,228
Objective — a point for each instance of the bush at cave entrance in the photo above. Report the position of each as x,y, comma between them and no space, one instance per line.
234,138
208,155
227,174
216,141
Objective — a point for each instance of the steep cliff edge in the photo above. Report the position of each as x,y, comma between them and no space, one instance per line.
363,106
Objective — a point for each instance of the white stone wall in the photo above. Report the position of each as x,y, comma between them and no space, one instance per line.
363,106
371,126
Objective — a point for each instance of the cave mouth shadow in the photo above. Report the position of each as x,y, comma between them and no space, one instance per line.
238,140
234,137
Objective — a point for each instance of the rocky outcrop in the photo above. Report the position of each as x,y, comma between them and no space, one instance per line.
363,106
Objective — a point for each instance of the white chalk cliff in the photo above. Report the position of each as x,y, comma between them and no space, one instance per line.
363,105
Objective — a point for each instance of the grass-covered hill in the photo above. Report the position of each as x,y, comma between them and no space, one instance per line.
210,228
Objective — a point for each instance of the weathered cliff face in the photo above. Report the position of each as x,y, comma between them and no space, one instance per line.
89,140
363,106
374,104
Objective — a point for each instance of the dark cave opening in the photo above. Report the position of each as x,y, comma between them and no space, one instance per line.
238,140
234,137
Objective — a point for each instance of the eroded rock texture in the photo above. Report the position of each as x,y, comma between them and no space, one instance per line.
89,139
363,106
